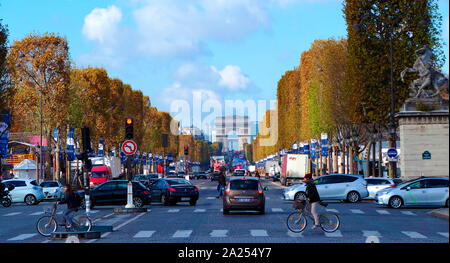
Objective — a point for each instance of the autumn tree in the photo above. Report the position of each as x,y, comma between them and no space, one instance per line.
5,82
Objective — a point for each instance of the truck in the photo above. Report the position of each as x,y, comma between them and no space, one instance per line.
293,168
271,169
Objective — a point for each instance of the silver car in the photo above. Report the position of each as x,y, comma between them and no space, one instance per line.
376,184
348,187
425,191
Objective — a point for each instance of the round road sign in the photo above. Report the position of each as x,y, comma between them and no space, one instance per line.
392,153
129,147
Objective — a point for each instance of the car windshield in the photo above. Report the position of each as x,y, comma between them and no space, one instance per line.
406,182
153,176
49,184
98,174
181,181
34,183
243,185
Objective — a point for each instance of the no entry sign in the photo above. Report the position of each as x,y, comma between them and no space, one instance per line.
129,147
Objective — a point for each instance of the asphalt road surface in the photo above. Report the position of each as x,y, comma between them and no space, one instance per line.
205,223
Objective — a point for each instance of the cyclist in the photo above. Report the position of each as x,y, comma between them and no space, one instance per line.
73,203
313,198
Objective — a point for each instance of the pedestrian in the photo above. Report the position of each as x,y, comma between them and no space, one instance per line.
313,198
73,203
257,174
222,181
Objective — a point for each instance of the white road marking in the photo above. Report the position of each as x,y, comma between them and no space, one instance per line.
334,234
36,214
267,198
21,237
199,210
219,233
94,211
182,233
144,234
210,197
59,213
292,234
445,234
173,210
259,233
118,227
413,234
356,211
368,233
13,214
277,210
383,212
332,210
408,213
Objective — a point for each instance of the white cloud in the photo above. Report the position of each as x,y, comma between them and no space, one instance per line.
232,78
101,24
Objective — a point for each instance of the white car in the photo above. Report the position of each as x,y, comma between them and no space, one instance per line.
25,190
52,189
348,187
376,184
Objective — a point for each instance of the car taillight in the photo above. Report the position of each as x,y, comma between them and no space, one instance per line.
171,189
227,191
392,185
195,189
260,192
146,192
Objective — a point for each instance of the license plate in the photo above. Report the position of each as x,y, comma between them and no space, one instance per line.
243,200
185,199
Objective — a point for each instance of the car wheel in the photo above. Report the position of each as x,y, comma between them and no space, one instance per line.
395,202
164,200
262,211
137,202
300,196
30,200
353,197
193,202
446,203
226,211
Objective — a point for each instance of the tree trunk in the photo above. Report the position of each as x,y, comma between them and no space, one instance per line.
380,158
374,158
350,160
342,163
369,151
335,159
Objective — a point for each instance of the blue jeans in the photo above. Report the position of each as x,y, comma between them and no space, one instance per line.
220,189
67,216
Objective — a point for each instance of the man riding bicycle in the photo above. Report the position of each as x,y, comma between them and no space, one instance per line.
313,198
73,203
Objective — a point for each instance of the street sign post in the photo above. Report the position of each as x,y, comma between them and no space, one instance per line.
392,154
129,147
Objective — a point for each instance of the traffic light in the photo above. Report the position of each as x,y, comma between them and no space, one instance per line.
129,128
86,137
186,150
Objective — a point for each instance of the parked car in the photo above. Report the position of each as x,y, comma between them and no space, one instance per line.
244,193
351,188
170,191
181,174
376,184
201,176
52,189
25,190
115,193
425,191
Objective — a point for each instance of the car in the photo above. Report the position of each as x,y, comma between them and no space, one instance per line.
170,191
349,187
201,176
239,172
181,174
244,193
172,174
52,189
376,184
115,193
25,190
421,192
147,179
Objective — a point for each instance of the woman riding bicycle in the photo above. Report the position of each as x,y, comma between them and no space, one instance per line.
73,203
313,198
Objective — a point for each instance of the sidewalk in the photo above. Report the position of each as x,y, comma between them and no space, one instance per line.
440,213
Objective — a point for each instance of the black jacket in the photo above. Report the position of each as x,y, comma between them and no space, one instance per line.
72,201
311,192
222,179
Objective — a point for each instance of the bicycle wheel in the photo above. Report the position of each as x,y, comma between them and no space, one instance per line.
46,225
6,202
82,222
329,222
296,222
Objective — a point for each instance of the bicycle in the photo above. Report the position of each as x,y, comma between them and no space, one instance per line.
297,221
49,223
6,199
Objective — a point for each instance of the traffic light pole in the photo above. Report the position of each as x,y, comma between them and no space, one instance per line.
129,185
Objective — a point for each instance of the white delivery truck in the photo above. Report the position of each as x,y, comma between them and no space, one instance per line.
272,168
293,168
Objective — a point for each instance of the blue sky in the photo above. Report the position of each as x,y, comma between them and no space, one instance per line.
225,49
